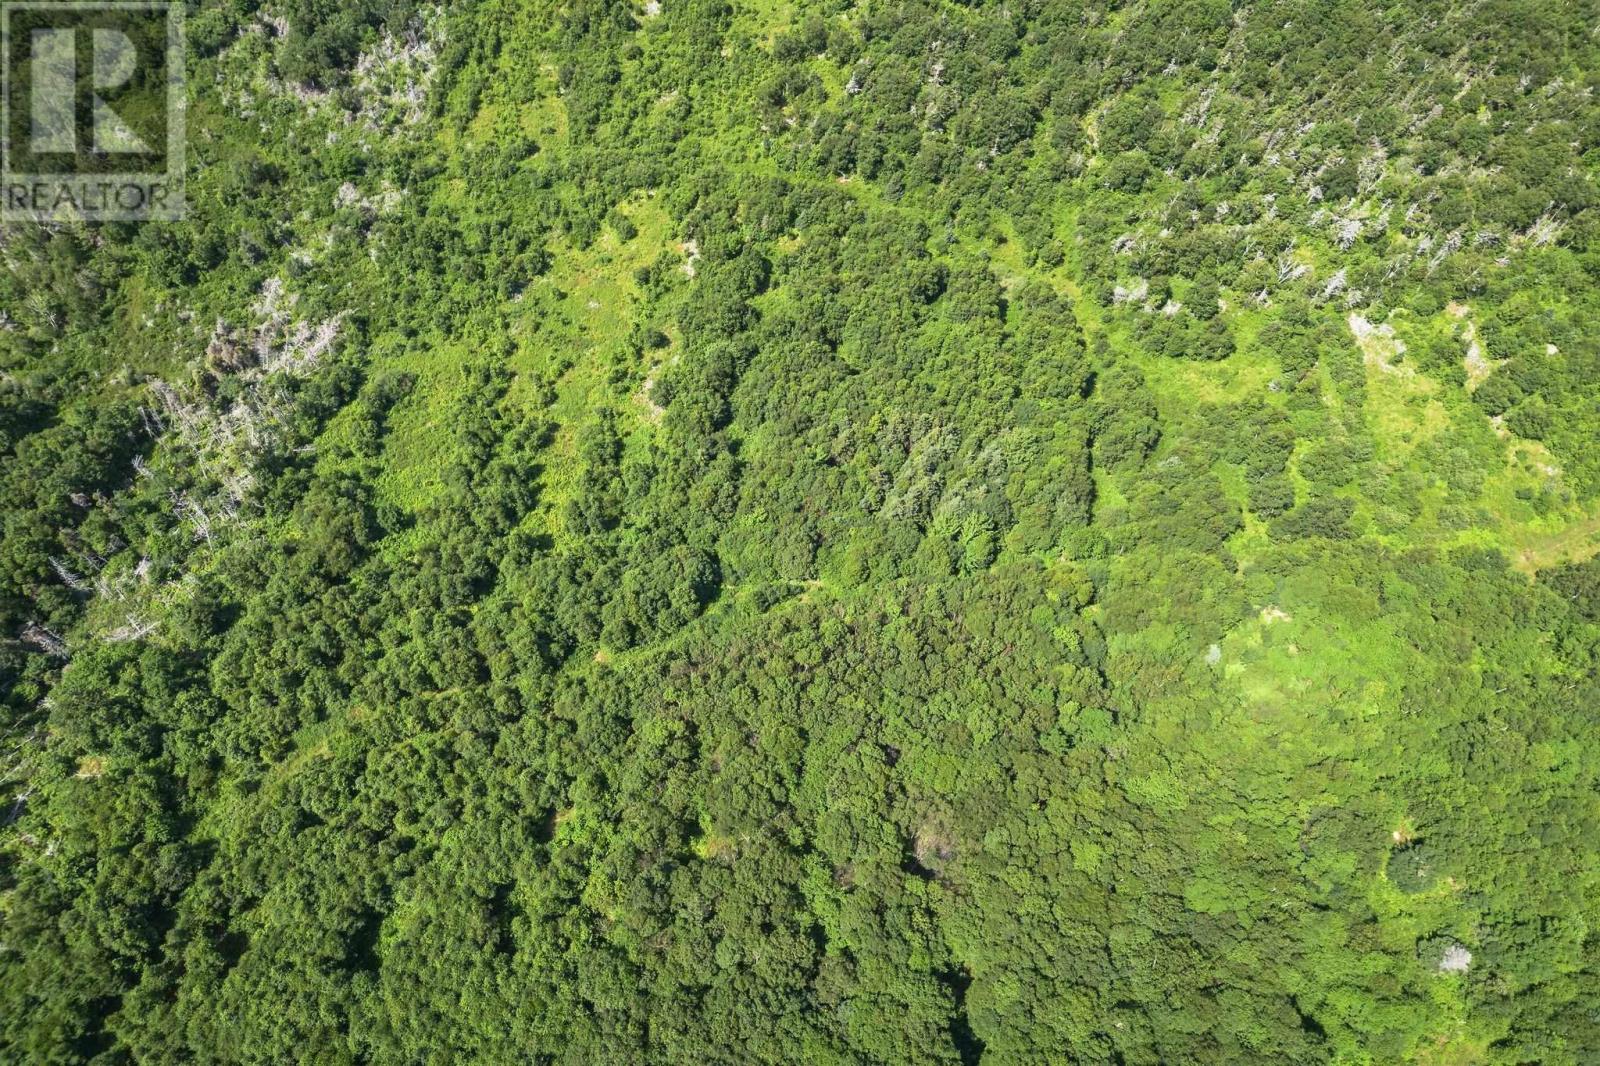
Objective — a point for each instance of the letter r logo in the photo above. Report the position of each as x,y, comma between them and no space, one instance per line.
55,90
92,104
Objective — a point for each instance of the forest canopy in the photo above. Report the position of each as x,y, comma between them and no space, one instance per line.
725,531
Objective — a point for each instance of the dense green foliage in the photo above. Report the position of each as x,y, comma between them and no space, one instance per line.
818,532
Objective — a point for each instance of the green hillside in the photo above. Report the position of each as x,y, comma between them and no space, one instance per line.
771,531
